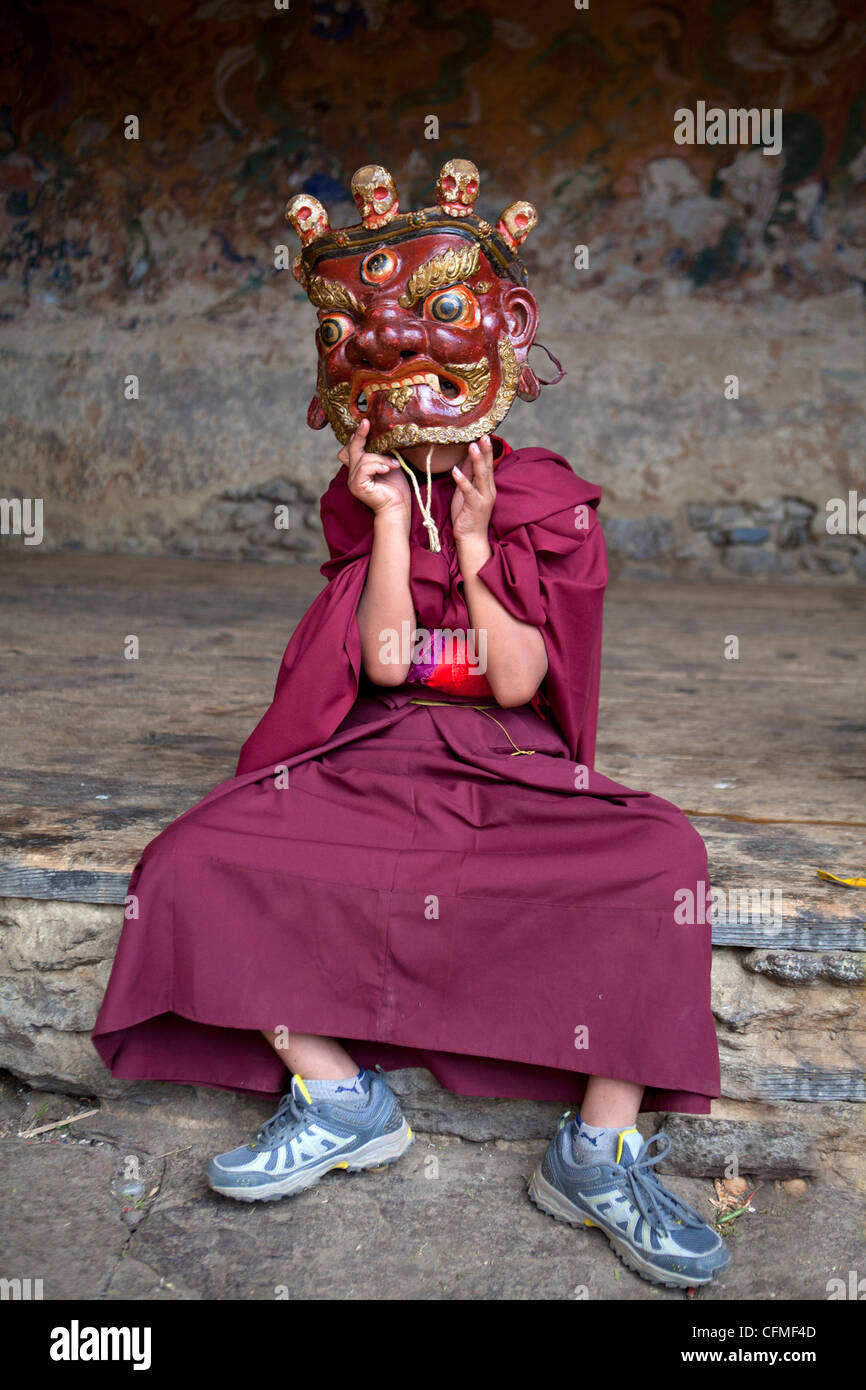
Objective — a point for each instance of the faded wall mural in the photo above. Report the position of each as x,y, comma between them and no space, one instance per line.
154,256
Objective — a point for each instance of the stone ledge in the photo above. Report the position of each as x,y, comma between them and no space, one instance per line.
55,959
778,1040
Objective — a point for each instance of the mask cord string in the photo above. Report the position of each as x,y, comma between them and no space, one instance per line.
432,530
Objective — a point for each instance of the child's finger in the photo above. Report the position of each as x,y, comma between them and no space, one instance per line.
482,459
356,443
368,470
348,453
486,448
471,461
469,492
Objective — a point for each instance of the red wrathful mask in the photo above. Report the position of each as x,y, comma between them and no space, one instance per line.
425,321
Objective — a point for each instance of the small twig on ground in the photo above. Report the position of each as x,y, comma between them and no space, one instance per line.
57,1124
738,1211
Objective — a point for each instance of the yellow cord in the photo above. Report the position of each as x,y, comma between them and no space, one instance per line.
484,709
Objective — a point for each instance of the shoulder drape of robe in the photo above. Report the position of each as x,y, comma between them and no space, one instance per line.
548,568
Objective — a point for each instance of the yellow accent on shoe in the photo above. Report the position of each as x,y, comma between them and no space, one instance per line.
302,1088
587,1222
631,1130
409,1134
344,1164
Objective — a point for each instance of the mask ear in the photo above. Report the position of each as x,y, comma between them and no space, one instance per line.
316,418
528,387
521,314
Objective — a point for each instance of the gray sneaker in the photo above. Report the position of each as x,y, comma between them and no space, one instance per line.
652,1230
306,1138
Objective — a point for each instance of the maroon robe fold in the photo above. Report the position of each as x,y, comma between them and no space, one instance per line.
397,875
542,509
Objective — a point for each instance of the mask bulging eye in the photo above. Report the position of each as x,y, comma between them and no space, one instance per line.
457,306
378,267
333,329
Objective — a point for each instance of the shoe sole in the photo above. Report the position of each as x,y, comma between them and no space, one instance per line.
376,1153
553,1203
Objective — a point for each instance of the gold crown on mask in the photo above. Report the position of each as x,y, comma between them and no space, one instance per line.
375,195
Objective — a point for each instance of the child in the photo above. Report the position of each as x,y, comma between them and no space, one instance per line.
416,863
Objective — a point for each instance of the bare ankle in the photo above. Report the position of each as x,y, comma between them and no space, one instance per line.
610,1104
310,1055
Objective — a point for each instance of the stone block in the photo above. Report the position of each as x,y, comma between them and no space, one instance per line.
700,515
792,533
748,535
796,508
822,561
278,490
250,515
838,967
756,561
639,538
768,509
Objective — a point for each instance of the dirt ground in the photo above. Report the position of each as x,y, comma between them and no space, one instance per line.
116,1206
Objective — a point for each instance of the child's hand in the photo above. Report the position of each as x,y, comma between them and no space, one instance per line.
375,479
472,503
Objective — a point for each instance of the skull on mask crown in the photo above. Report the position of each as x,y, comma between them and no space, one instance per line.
425,322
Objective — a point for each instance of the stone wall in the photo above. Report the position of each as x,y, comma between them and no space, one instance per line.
789,1028
155,257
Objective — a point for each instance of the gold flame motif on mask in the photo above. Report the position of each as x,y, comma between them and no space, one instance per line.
445,268
332,294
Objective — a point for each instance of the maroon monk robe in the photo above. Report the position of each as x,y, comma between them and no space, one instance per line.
398,875
542,509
